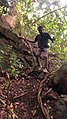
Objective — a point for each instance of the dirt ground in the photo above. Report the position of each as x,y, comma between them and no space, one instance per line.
21,97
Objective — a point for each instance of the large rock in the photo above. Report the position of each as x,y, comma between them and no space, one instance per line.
59,80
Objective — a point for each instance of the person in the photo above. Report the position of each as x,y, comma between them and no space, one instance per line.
42,39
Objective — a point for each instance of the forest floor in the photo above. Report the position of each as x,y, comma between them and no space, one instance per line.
29,95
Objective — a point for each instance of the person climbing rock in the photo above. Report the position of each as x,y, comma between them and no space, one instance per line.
42,39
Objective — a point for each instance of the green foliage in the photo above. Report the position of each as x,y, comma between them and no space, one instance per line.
25,17
3,6
54,22
9,61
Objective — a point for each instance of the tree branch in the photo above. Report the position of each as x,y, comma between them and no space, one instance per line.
48,14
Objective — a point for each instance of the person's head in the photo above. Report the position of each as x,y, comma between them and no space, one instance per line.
40,28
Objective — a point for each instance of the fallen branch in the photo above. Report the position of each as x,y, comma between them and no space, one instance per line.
24,94
2,102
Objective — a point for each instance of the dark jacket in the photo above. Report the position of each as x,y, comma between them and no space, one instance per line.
42,40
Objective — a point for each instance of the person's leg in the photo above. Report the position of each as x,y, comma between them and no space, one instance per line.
46,62
45,58
38,56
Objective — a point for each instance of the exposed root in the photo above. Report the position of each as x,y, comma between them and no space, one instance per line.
43,108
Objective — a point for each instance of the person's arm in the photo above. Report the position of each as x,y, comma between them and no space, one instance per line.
52,39
34,40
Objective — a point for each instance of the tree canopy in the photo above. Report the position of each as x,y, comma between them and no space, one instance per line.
50,14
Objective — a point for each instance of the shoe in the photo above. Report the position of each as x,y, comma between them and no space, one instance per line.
45,70
40,68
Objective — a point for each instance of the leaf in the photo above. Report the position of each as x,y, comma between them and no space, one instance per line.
12,113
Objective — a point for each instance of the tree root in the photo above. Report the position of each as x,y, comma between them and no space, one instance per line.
43,108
